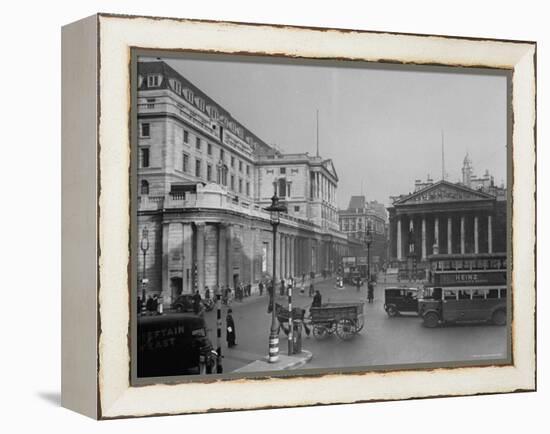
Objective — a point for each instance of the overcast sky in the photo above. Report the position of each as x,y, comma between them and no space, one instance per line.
381,127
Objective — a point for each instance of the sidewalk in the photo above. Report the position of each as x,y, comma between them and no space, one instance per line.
284,363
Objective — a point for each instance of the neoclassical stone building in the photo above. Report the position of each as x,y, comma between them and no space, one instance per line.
444,217
203,182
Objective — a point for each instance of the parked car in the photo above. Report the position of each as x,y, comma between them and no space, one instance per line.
183,303
173,344
401,299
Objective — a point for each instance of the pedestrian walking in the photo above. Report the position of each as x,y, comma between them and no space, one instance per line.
207,293
230,329
149,305
261,288
317,299
139,305
282,288
370,295
197,302
311,289
155,304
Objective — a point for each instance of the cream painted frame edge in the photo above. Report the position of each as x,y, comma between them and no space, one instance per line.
116,35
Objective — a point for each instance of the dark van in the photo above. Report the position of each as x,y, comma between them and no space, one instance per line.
173,344
402,299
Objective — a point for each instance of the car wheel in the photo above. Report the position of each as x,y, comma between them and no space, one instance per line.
179,308
392,311
499,317
431,320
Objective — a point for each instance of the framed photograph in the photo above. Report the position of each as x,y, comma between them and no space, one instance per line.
260,216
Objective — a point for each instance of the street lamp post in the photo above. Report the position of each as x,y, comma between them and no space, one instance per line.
275,211
144,248
368,241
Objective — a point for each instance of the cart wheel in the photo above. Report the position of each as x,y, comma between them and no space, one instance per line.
345,329
320,332
431,320
392,311
359,324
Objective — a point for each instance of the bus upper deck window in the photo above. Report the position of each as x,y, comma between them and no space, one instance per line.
493,293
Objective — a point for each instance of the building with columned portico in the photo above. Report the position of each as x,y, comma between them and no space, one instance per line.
444,217
204,180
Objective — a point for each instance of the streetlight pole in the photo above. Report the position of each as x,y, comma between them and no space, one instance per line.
275,209
368,240
144,248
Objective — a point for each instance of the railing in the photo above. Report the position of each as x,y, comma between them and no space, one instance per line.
213,196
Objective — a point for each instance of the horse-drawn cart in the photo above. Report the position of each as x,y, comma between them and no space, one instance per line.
344,319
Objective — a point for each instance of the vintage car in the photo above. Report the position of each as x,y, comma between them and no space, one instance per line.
401,299
183,303
173,344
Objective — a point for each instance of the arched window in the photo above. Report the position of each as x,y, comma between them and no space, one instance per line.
144,188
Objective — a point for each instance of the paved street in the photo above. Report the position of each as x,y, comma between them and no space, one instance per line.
382,341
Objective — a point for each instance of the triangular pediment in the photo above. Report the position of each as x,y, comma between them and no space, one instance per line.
329,165
443,191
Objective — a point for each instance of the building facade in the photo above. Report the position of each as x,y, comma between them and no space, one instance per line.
362,215
444,217
204,180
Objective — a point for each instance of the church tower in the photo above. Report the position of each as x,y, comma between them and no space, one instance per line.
467,171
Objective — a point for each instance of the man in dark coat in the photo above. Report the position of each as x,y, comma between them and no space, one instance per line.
150,305
197,302
317,299
261,288
230,329
370,295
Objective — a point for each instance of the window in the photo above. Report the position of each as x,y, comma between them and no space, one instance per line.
296,209
144,157
198,143
282,170
144,188
153,80
145,130
209,172
232,185
197,167
240,166
248,188
185,163
222,154
282,187
240,185
232,161
151,103
209,148
185,136
248,169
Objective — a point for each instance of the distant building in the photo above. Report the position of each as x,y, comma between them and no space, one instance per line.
362,215
446,217
203,181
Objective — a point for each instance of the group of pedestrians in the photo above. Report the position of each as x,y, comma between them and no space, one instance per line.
151,305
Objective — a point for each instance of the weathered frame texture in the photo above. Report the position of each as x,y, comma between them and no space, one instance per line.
101,387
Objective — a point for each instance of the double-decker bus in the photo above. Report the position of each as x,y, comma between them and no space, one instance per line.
465,288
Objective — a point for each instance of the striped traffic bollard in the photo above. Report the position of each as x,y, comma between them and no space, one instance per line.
273,347
291,331
219,368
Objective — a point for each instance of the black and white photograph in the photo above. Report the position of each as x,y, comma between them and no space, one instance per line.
297,216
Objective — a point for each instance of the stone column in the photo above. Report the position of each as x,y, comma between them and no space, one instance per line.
449,235
490,233
222,255
423,238
229,255
166,290
187,258
476,235
462,236
399,246
200,256
436,231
